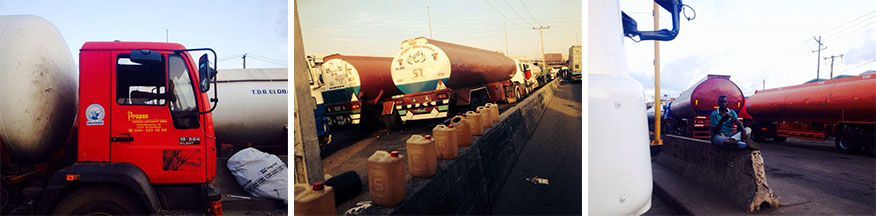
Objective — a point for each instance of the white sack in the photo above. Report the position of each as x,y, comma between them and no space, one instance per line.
261,174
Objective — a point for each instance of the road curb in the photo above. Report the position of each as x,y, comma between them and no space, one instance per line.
670,200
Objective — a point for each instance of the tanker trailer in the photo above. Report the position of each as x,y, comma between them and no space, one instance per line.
688,115
254,110
355,85
38,85
434,76
844,108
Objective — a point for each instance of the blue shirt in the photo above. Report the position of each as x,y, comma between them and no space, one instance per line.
726,126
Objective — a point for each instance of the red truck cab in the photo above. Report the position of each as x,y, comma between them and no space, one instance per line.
145,138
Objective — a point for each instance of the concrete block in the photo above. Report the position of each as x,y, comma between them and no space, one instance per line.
737,174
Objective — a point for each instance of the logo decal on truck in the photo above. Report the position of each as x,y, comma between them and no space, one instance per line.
94,113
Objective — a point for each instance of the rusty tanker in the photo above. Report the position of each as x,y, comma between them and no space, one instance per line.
844,108
435,76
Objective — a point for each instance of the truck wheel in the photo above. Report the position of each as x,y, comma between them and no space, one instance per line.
392,121
517,92
99,200
845,143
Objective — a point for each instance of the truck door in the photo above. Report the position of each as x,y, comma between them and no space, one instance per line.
155,123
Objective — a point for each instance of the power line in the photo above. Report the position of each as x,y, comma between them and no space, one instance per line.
527,11
515,12
850,21
838,35
503,15
278,60
266,60
229,57
857,66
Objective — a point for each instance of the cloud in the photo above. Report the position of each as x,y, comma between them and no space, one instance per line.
676,75
863,53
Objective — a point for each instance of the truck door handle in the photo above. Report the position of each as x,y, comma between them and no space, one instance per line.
122,139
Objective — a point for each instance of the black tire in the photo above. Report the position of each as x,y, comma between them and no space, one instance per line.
477,98
778,138
845,143
517,93
392,121
99,200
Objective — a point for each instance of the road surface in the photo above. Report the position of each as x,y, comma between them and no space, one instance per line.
554,153
819,181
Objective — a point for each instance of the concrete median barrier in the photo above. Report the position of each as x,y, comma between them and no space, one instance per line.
471,183
736,174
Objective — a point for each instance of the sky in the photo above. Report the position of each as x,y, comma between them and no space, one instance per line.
377,27
754,42
231,28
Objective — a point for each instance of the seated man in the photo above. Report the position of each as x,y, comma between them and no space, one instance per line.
722,121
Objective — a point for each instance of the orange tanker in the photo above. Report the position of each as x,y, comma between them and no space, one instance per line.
844,108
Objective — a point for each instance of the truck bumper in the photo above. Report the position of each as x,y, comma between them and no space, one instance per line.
427,110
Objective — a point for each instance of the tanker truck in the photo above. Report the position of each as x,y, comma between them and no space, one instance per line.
844,108
254,113
131,134
435,76
688,115
355,88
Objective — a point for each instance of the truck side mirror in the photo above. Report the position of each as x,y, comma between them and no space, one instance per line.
205,72
145,56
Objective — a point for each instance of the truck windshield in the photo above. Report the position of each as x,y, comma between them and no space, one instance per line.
181,85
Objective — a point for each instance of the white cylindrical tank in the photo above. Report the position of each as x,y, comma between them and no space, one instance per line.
252,107
38,88
619,179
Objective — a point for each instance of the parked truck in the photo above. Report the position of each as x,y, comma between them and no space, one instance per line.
844,108
131,134
575,64
435,76
317,85
355,88
688,115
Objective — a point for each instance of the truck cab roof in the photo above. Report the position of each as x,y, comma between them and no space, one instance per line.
120,45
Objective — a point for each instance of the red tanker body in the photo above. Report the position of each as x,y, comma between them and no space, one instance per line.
432,73
355,84
842,107
744,112
689,113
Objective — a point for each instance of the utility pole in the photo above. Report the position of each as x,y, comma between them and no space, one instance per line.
831,63
308,164
764,85
657,97
818,70
429,16
166,37
244,61
541,37
506,38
